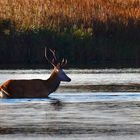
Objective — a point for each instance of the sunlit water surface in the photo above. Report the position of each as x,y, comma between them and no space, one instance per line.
77,110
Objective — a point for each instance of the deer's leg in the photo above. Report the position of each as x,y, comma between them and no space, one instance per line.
3,95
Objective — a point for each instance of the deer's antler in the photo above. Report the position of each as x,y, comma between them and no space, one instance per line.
51,62
63,62
54,62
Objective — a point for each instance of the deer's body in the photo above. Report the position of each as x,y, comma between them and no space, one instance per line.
24,89
35,88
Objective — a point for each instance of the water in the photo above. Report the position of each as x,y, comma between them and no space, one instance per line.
96,105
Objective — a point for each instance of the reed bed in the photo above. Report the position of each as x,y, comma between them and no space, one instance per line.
61,13
89,33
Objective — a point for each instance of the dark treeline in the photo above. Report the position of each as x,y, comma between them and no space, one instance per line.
108,44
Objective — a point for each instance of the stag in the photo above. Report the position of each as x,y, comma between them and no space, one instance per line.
36,88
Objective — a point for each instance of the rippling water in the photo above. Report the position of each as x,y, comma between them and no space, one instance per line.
75,111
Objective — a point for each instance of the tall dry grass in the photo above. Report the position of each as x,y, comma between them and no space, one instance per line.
98,32
60,13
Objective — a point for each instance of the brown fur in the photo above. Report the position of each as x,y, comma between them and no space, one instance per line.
35,88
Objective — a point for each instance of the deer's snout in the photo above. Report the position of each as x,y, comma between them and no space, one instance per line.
68,79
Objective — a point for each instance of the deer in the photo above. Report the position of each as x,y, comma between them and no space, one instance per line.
36,88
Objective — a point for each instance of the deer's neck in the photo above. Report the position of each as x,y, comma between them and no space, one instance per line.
52,83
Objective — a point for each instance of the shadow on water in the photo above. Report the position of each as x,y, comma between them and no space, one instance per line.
56,103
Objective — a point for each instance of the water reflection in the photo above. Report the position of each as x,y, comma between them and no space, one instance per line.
104,116
80,77
76,110
72,114
56,103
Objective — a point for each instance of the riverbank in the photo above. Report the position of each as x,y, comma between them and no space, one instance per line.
102,34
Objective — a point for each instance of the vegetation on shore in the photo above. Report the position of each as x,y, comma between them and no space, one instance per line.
89,33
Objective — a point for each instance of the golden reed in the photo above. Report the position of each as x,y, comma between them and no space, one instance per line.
55,13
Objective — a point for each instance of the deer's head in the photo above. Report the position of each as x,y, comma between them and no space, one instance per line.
57,67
